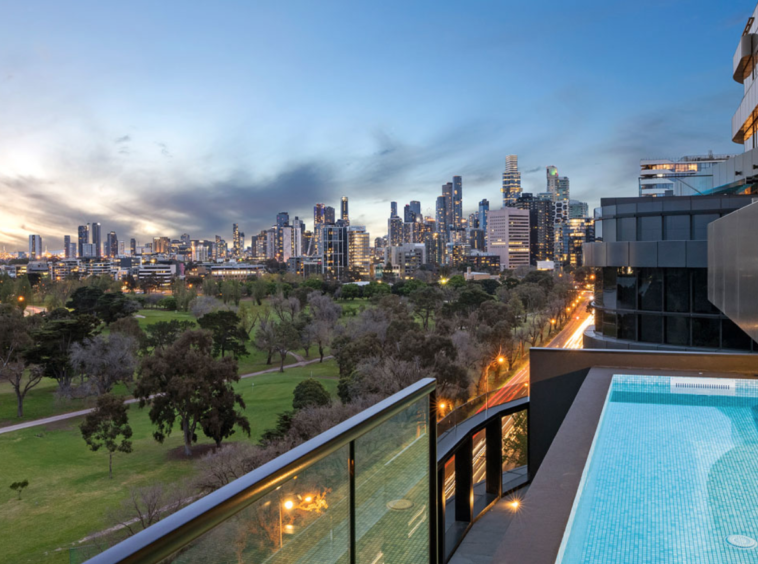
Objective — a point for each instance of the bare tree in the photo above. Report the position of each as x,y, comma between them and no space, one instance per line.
265,335
105,361
286,309
146,506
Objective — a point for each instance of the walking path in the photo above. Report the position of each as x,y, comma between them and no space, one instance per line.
70,415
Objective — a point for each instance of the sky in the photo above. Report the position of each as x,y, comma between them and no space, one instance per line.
160,118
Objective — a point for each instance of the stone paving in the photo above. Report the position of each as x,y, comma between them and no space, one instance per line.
485,536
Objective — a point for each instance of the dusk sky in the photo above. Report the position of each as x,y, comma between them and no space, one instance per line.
158,118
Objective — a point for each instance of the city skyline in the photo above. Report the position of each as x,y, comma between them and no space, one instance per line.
148,153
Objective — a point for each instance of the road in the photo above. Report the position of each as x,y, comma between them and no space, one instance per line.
71,414
570,337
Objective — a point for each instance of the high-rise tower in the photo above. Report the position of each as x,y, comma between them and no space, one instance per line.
511,181
458,201
344,215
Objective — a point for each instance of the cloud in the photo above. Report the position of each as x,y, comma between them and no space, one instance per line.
164,150
123,139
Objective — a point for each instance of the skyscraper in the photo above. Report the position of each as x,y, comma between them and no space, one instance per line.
552,182
133,247
96,240
336,251
235,240
416,208
484,208
318,222
508,236
457,201
447,193
344,215
282,219
441,214
409,215
579,209
35,247
67,246
511,181
329,215
83,239
541,226
111,244
563,189
393,209
359,257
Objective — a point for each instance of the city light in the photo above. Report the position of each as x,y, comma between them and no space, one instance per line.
288,504
308,499
21,298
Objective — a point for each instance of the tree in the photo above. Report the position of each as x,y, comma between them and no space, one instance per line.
163,333
350,291
115,305
131,327
310,392
104,425
59,330
14,339
374,288
426,300
457,281
286,309
227,333
84,300
18,487
248,317
219,420
105,360
265,337
179,381
286,338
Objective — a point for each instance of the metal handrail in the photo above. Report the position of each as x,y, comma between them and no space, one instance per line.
176,531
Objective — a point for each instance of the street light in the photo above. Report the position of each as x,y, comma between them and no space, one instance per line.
21,298
500,359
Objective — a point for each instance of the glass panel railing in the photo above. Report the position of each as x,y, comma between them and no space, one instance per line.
303,520
392,490
361,492
494,398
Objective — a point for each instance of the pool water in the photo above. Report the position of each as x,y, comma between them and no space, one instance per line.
672,476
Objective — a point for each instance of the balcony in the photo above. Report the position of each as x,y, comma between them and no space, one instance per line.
743,61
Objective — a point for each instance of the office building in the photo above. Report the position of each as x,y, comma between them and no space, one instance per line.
282,219
96,239
541,226
344,215
359,251
447,193
688,176
579,230
236,245
185,238
578,209
563,189
511,189
409,215
319,218
132,247
405,259
336,251
83,239
394,231
416,208
329,215
111,245
67,247
484,208
441,214
508,236
652,291
552,182
475,238
162,245
35,247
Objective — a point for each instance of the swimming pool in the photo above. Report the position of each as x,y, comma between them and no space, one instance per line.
672,476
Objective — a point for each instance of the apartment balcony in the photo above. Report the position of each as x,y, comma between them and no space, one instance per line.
744,58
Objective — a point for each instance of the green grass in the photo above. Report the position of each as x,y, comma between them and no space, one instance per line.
147,316
69,495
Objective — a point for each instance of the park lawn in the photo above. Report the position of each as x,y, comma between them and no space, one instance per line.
70,494
147,316
41,401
